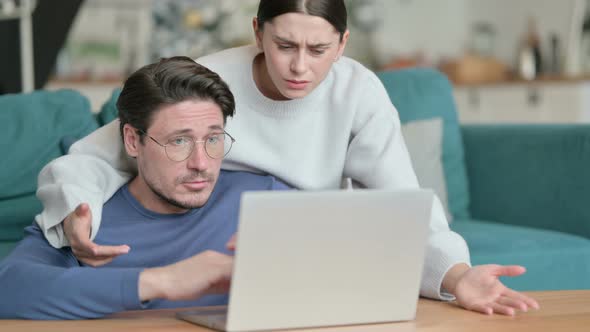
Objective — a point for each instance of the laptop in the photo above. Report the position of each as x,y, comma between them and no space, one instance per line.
324,258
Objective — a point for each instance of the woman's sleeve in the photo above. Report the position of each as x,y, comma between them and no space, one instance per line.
378,158
95,168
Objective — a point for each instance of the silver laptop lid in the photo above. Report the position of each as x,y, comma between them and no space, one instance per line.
308,259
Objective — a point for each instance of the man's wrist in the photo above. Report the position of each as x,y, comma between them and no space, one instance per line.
452,277
151,283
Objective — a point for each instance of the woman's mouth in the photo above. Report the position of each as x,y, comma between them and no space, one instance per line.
297,84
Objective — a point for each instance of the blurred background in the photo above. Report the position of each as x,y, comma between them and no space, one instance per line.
509,60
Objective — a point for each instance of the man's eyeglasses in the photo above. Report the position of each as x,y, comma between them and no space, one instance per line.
179,148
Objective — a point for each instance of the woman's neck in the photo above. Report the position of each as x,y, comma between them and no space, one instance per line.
262,79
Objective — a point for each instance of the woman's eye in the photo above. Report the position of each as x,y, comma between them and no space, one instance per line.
213,139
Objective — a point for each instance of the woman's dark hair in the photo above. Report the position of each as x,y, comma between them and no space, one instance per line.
167,82
333,11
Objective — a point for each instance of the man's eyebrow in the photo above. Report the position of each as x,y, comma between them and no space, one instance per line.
290,42
188,131
216,127
180,132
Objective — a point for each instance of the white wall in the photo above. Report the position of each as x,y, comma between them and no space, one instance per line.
438,28
126,24
510,18
442,28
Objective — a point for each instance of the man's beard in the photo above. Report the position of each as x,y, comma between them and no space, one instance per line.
187,178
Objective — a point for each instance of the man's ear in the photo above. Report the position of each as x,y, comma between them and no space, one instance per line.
257,33
131,140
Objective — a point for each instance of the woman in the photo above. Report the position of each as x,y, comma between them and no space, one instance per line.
304,114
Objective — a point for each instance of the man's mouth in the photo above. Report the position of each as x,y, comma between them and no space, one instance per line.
196,184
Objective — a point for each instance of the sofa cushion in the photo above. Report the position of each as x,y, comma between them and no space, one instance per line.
552,259
424,141
66,142
530,175
108,111
423,93
16,214
31,129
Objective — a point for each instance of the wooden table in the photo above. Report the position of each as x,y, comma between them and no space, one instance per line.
560,311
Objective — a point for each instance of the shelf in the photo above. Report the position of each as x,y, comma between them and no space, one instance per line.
86,82
558,79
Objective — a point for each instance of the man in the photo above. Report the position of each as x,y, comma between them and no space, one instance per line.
177,214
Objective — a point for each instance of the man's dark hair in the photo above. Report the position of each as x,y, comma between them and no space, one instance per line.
333,11
167,82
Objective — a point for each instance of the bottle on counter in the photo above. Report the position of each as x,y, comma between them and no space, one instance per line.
554,65
585,42
530,62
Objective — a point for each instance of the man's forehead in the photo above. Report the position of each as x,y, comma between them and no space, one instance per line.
192,116
192,130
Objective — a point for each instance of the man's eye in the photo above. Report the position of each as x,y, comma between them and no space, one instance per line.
213,139
179,141
285,47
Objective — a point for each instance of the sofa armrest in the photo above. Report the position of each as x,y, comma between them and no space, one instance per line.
530,175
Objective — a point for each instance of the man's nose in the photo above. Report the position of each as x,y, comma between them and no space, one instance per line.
198,160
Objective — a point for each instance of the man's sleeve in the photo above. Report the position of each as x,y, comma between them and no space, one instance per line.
279,185
38,281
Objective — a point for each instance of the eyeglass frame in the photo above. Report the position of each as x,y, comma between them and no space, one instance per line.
232,139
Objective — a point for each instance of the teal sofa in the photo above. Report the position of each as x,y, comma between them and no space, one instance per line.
516,193
32,130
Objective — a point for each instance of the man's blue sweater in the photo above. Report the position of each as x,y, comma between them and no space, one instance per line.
38,281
